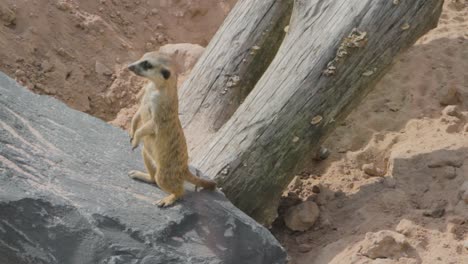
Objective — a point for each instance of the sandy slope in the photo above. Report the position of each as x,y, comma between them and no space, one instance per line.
401,129
74,50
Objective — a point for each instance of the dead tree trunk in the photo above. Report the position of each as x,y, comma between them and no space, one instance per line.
333,55
243,47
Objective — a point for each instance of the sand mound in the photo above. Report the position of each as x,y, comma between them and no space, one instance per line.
399,163
74,50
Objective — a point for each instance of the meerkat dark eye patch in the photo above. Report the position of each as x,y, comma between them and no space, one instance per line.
165,73
146,65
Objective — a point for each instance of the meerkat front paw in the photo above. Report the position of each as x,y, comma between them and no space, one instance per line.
134,174
135,142
166,201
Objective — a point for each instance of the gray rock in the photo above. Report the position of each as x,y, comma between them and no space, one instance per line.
65,197
371,170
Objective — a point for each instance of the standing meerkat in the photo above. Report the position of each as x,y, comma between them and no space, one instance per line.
157,124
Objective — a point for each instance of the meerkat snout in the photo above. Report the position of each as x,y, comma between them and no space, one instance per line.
140,67
131,67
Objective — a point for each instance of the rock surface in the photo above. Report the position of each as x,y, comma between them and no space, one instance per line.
65,197
302,216
385,244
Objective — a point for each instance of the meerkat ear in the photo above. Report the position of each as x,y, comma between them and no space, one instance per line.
165,73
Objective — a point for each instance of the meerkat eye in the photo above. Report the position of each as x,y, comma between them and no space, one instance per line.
146,65
165,73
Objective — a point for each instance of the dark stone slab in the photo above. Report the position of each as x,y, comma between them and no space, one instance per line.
65,197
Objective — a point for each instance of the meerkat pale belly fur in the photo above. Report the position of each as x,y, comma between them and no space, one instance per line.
157,124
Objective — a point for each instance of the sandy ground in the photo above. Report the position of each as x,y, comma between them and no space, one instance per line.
406,208
50,45
417,151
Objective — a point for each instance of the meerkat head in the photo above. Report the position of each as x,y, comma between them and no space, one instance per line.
154,66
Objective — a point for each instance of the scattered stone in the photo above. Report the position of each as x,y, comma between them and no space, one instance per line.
47,66
161,38
443,161
435,213
296,183
19,73
339,194
406,227
7,15
149,46
289,200
63,5
61,52
452,110
303,248
458,220
447,172
385,244
302,216
453,127
342,150
371,170
312,197
463,192
154,11
102,69
456,5
315,189
322,154
452,97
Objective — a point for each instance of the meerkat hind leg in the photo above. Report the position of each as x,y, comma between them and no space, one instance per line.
176,191
142,176
139,175
168,200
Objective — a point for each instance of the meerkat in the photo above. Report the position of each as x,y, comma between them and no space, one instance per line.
157,124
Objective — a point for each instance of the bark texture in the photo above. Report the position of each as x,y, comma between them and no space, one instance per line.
232,64
332,56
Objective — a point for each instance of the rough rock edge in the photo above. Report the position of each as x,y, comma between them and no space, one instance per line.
65,197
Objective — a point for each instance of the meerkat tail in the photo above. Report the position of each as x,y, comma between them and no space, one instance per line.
199,182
